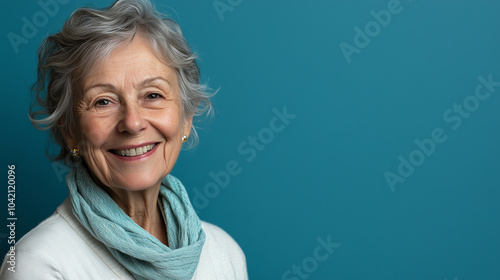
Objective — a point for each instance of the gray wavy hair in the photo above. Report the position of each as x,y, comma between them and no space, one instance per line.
86,39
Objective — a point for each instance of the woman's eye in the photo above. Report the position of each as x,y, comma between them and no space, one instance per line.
102,102
153,95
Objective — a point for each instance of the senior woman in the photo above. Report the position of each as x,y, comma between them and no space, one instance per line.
120,88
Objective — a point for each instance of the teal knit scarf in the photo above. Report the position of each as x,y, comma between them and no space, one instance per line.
137,250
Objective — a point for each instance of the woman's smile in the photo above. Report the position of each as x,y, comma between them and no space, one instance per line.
134,152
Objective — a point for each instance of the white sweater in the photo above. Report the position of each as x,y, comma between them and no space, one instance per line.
61,248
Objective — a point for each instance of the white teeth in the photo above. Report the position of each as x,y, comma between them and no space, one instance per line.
135,152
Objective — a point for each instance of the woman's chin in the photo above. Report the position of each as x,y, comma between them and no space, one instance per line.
138,181
137,184
128,177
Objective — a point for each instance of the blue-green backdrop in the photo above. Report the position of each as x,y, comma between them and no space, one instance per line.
373,125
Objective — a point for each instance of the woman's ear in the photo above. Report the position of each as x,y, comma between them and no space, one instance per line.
186,128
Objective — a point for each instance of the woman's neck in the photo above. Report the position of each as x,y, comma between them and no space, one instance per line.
142,207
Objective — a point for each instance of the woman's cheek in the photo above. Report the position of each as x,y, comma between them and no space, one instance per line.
94,133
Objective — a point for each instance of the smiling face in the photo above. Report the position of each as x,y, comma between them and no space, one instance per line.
129,119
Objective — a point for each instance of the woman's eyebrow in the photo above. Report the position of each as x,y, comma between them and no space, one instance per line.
152,81
104,86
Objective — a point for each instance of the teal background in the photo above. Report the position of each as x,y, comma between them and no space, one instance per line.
323,174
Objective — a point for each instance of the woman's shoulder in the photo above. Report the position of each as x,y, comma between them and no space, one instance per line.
220,238
58,249
221,252
46,237
40,246
48,233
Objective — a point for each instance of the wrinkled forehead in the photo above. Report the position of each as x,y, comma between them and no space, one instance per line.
98,54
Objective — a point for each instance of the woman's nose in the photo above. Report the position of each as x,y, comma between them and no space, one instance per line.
132,120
